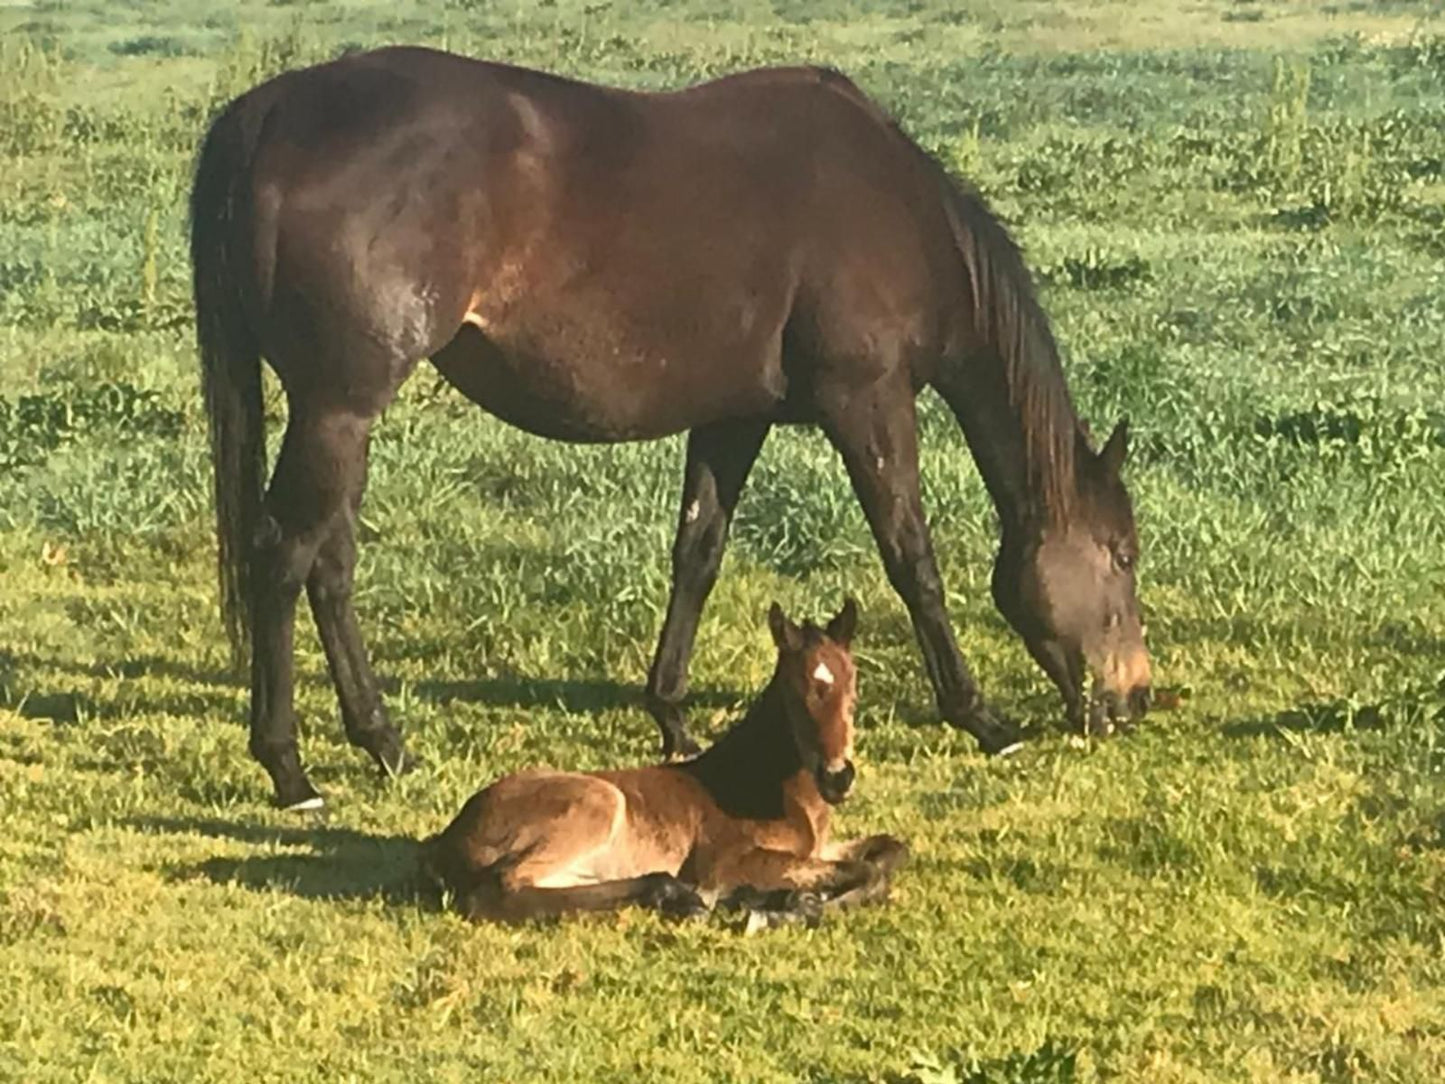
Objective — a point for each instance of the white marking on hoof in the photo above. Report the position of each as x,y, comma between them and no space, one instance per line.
1010,749
823,674
756,921
306,805
693,511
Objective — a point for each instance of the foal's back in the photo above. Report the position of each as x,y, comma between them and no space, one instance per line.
551,829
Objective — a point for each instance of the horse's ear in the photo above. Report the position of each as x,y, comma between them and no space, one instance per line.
785,633
840,629
1116,450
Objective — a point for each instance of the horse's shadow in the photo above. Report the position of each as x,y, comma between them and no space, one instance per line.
207,695
1324,717
320,863
577,697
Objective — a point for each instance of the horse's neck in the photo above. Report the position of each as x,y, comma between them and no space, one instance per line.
749,769
1004,444
1005,382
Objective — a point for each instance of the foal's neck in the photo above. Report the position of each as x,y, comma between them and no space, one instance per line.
748,769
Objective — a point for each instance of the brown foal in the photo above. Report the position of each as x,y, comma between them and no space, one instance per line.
745,823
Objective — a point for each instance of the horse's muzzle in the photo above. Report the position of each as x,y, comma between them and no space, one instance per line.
834,786
1108,708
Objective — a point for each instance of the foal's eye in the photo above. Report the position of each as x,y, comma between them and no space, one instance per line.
1123,560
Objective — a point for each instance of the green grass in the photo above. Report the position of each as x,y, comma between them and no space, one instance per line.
1237,212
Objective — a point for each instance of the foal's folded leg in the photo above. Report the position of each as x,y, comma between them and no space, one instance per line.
496,900
883,853
768,880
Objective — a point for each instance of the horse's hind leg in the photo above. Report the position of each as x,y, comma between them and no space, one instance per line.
329,589
719,458
876,433
311,500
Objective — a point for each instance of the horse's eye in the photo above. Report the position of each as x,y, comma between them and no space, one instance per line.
1123,560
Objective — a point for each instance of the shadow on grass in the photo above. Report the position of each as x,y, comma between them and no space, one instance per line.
47,699
1413,707
329,863
581,697
1325,717
69,705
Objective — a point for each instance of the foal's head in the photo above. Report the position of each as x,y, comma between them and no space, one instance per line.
816,675
1069,590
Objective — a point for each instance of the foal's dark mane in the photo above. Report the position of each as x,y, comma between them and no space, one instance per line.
744,769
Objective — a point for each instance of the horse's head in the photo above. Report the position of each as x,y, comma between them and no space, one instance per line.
815,672
1069,590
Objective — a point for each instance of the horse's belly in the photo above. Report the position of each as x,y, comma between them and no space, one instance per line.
600,381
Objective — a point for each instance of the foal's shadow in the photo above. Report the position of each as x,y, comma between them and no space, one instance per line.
326,864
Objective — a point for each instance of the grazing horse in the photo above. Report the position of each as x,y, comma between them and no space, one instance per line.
742,822
601,265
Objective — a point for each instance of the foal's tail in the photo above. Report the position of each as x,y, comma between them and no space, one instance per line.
222,262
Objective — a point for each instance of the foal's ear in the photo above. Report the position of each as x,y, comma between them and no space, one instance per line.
1116,450
785,634
840,629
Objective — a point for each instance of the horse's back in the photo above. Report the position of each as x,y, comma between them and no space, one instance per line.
634,262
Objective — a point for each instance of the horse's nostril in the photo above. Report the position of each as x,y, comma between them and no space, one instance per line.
1139,700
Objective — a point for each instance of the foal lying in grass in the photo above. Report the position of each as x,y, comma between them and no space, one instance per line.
745,823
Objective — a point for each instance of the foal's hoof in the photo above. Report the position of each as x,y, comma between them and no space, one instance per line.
996,736
791,908
665,893
886,854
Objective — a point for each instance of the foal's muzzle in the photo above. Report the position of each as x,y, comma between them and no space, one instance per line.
835,785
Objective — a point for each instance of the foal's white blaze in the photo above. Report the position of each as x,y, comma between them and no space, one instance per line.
823,674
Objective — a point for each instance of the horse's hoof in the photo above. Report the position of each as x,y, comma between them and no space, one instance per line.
405,765
290,789
995,735
391,756
679,746
300,799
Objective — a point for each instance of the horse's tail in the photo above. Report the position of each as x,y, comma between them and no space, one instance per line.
223,280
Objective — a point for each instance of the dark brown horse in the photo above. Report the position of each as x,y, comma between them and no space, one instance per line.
593,264
745,821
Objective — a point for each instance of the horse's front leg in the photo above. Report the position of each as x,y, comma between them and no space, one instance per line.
876,434
718,460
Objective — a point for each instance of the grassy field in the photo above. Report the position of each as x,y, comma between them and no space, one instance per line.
1237,213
